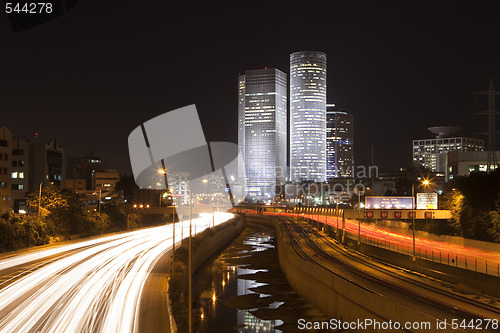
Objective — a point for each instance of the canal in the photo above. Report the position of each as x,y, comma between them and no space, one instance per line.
244,290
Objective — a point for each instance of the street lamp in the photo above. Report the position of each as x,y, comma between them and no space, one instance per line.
343,227
100,202
359,221
164,173
337,209
190,287
205,181
425,182
39,199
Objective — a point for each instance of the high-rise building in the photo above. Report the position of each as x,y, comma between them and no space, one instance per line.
105,180
262,110
22,172
430,152
308,116
339,143
241,129
83,167
5,166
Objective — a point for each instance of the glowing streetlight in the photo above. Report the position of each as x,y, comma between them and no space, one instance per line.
425,182
164,173
190,282
205,181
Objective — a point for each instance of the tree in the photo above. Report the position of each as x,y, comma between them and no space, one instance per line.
49,201
61,211
453,200
495,222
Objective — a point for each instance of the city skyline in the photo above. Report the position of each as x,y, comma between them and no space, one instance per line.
156,158
308,116
339,143
398,69
264,135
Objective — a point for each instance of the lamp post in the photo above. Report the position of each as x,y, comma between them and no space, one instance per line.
413,216
205,181
337,209
100,202
164,173
424,182
343,226
189,263
190,282
326,218
39,199
359,221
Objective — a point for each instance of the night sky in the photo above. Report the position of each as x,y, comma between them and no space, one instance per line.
89,77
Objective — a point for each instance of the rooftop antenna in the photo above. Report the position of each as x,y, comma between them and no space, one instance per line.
491,133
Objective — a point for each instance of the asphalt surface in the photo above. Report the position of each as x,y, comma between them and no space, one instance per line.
89,286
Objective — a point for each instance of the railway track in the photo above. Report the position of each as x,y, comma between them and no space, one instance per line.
335,258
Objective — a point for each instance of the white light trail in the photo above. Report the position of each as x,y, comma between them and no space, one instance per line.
95,289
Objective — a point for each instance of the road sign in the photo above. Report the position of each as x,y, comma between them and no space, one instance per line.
388,202
427,201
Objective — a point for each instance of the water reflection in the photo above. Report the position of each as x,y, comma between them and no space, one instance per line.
252,323
219,317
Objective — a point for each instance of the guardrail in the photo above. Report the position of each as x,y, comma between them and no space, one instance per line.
448,258
470,263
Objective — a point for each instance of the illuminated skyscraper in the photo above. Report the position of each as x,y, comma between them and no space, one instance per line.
339,143
241,129
263,112
308,116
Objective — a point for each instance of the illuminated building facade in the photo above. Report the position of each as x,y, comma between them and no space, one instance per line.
263,112
430,152
22,169
241,128
105,180
308,116
463,163
339,143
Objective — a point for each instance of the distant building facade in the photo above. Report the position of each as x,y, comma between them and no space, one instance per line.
83,167
77,185
428,152
5,166
34,164
262,110
463,163
49,163
22,172
339,143
105,180
308,116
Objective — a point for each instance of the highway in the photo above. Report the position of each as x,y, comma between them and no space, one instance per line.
459,255
411,291
86,286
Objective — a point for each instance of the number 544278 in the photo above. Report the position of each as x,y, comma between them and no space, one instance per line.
28,7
